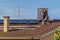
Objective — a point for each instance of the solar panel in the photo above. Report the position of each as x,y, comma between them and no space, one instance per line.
1,21
21,21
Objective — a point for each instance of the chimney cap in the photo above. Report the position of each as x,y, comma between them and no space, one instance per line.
6,16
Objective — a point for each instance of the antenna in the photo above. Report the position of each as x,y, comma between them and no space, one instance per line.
18,9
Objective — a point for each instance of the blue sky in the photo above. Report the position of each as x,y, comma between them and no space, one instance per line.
29,8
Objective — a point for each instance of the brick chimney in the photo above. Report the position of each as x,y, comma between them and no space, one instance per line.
42,14
6,23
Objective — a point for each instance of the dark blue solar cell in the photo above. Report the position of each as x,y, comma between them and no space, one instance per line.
21,21
1,21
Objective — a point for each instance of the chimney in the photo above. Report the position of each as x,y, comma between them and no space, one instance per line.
42,15
6,23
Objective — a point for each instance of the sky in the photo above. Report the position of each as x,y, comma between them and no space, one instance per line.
28,9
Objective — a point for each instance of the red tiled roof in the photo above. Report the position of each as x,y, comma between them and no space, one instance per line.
32,32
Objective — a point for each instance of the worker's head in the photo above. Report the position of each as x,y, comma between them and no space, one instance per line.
43,10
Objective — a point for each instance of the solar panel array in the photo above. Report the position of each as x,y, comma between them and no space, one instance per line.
21,21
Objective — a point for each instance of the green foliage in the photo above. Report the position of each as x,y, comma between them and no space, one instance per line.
57,35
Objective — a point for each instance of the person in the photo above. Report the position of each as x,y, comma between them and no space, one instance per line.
44,14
